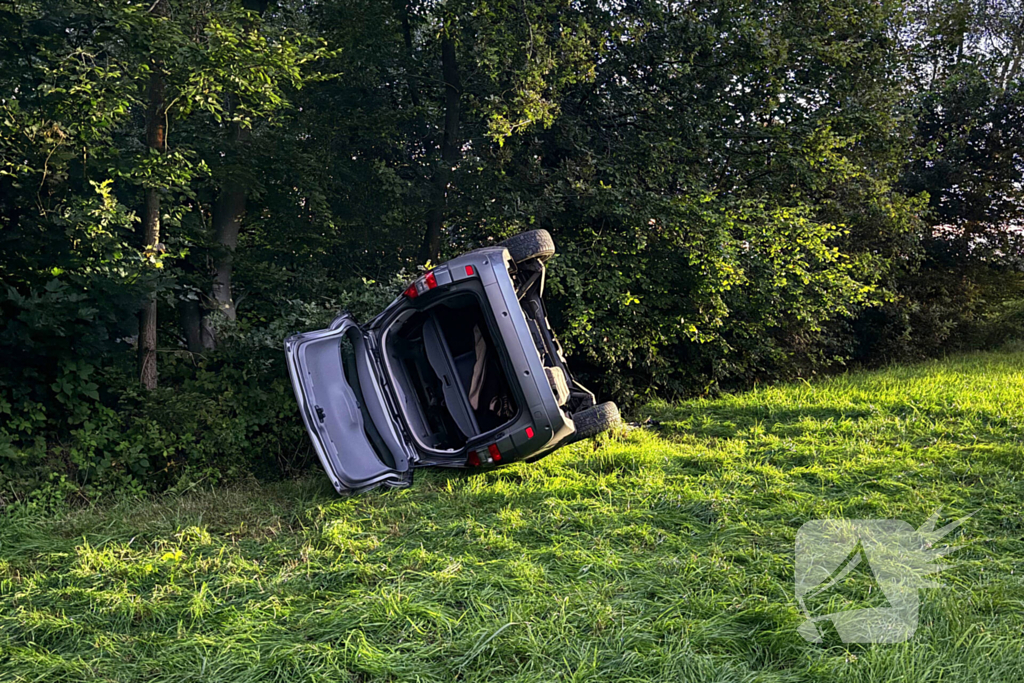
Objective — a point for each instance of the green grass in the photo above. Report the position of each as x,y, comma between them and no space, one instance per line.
663,553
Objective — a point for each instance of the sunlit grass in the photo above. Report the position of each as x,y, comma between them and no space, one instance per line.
663,553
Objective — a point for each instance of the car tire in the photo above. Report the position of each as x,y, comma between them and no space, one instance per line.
533,244
593,421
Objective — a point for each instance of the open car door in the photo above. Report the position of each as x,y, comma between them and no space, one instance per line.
344,408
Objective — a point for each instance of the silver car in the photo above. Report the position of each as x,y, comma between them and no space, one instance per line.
462,370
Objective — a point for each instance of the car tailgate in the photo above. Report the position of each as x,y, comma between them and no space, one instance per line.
342,409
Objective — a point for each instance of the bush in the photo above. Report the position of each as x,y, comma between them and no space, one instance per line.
224,415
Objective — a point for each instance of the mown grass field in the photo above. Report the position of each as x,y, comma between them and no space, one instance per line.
663,553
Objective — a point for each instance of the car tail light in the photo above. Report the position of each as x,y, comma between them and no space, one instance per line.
421,285
529,432
495,453
473,460
429,281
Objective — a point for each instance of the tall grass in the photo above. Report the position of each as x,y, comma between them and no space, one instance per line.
659,553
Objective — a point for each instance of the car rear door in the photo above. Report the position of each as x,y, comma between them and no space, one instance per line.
344,408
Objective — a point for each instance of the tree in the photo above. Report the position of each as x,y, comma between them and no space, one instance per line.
966,101
156,141
232,73
969,102
229,208
426,87
715,190
431,249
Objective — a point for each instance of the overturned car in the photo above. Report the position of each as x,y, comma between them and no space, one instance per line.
462,370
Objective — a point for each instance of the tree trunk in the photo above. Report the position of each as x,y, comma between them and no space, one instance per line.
228,211
414,93
227,220
431,249
156,139
191,316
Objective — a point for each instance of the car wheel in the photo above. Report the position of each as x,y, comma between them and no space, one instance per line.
593,421
533,244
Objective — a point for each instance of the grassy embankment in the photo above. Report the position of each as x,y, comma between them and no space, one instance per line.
655,554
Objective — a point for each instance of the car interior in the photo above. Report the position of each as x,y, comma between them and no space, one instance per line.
452,382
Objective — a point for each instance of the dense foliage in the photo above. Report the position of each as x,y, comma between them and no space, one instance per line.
740,191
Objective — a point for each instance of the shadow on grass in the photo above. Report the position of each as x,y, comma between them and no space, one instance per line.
734,421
